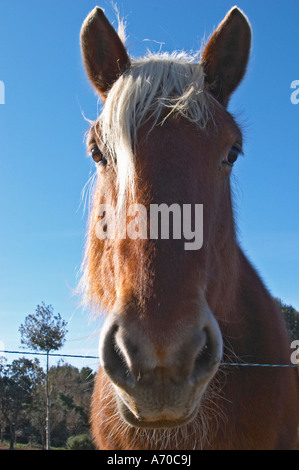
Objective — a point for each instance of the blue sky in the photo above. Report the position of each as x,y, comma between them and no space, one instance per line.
42,154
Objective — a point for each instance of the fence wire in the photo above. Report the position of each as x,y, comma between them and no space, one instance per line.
49,354
242,364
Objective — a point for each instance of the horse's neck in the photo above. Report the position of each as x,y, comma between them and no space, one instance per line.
247,324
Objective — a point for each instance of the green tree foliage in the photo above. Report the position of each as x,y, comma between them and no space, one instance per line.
23,402
26,411
291,317
43,331
81,442
18,384
70,391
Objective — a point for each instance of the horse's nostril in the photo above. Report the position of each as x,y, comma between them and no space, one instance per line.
203,356
114,362
206,361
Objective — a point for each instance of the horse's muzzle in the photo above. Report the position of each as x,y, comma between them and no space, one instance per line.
160,377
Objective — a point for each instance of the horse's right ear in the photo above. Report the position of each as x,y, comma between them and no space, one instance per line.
104,55
226,55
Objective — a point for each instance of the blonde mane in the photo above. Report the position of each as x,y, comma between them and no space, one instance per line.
154,84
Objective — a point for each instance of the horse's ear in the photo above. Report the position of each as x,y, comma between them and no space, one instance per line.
226,55
104,55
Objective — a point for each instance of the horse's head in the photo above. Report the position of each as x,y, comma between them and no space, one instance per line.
164,138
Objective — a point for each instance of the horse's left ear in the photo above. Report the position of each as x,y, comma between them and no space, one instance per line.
226,55
104,55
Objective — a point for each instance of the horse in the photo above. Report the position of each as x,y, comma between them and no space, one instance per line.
176,315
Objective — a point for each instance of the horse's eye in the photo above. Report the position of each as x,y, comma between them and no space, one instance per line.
98,156
232,156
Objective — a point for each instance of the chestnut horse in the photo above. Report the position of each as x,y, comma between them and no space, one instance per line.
175,316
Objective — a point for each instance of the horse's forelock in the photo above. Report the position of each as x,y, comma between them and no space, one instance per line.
154,88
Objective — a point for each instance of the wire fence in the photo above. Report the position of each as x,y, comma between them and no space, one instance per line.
49,354
240,364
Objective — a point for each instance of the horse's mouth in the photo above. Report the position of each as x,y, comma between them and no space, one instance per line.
162,423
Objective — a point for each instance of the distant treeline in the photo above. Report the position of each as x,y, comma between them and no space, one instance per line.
291,317
23,402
